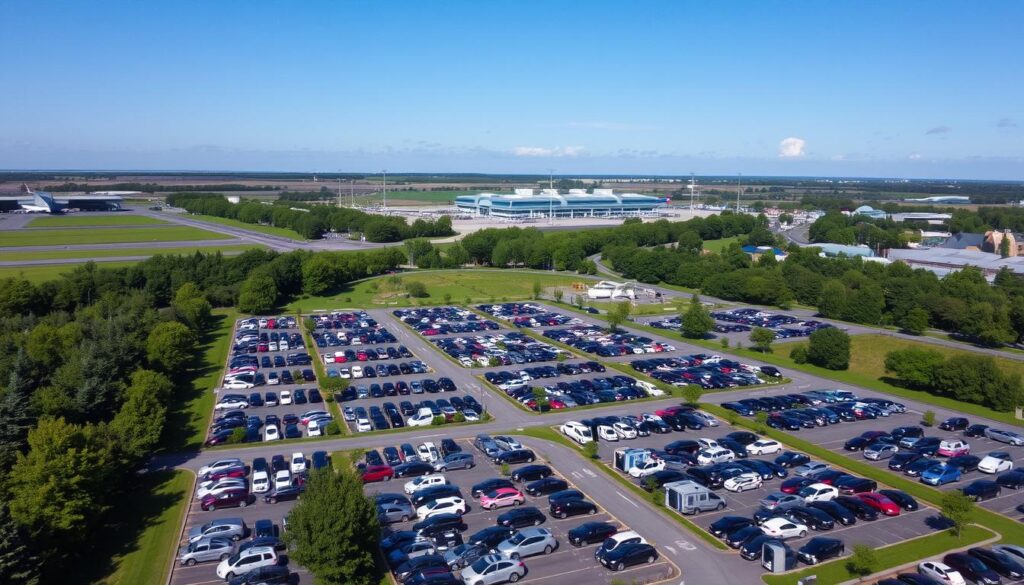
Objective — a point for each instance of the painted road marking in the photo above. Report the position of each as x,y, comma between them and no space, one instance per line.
624,497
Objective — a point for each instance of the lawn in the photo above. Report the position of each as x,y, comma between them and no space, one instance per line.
255,227
867,354
476,285
37,274
113,253
417,196
189,419
139,545
719,245
87,220
74,237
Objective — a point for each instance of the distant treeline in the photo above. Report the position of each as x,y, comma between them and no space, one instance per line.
153,187
313,221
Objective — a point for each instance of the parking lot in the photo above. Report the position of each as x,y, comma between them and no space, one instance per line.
880,532
567,563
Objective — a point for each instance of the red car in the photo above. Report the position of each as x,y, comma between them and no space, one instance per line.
225,472
556,404
378,473
671,411
232,498
880,503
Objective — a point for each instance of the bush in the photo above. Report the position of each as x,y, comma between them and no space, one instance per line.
799,354
830,349
332,428
928,419
237,436
459,417
692,393
590,450
506,470
863,562
438,420
416,289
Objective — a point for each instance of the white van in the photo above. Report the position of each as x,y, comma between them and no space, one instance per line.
425,481
260,482
423,418
428,452
577,431
243,562
606,433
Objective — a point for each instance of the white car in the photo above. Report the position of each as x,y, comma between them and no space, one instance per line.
298,463
283,479
425,481
419,419
624,431
344,374
743,482
220,464
449,505
286,397
363,425
709,420
649,467
260,482
996,462
818,492
218,486
271,433
715,455
941,572
243,562
764,447
235,384
577,431
607,433
272,346
357,371
783,528
706,443
232,403
428,452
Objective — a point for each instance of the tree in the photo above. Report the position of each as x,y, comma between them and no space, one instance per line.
832,302
762,338
1004,247
618,314
865,305
170,346
18,563
318,274
958,508
863,561
558,295
915,366
692,393
17,410
258,294
138,424
799,354
537,288
191,306
829,348
697,321
333,529
416,289
915,322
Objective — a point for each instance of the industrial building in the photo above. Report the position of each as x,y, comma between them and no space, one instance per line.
942,261
43,202
525,204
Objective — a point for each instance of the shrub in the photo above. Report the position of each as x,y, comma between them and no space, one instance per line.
829,348
438,420
799,354
459,417
928,419
590,450
506,470
863,561
237,436
332,428
692,393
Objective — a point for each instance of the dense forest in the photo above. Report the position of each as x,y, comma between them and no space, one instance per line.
313,221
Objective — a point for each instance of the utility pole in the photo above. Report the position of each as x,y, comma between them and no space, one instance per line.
739,189
551,198
339,191
693,187
385,172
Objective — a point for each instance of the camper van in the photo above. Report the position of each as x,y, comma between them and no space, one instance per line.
578,432
689,497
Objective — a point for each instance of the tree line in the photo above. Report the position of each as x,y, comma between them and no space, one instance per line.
312,222
967,378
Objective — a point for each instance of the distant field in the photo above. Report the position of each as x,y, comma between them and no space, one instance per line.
419,196
91,254
73,237
56,221
263,229
37,274
719,245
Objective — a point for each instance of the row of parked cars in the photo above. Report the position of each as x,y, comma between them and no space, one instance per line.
366,354
570,394
595,340
975,565
431,321
390,416
502,349
373,335
529,315
375,390
611,428
253,429
378,371
707,371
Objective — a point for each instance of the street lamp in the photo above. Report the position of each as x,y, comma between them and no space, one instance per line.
385,172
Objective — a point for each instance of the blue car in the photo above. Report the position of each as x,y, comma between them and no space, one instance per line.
940,475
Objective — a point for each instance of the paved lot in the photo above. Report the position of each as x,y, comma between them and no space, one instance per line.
567,564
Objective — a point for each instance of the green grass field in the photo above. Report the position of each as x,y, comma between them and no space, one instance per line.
37,274
144,538
57,221
95,254
75,237
417,196
263,229
719,245
476,285
867,354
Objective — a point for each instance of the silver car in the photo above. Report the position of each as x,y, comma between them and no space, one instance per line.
493,569
392,512
455,461
233,528
1004,436
527,542
209,549
880,451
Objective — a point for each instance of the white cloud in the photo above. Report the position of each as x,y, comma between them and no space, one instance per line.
792,147
915,156
542,151
838,157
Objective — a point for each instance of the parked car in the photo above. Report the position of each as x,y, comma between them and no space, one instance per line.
208,549
820,548
591,532
629,554
493,569
527,542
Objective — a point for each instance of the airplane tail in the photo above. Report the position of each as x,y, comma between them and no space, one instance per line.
25,189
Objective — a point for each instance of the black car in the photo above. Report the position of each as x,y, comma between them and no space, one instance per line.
489,485
912,579
591,532
751,548
397,540
629,554
840,513
855,485
548,485
812,517
966,463
927,445
981,489
429,577
271,541
901,498
291,492
449,446
737,537
390,498
531,472
412,566
271,575
660,478
999,562
956,423
901,460
975,431
420,497
522,516
440,523
1013,479
682,446
972,568
514,456
728,524
857,444
819,549
857,506
791,459
413,469
566,508
491,536
919,466
742,437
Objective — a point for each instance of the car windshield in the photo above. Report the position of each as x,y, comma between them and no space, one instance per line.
519,537
234,558
481,565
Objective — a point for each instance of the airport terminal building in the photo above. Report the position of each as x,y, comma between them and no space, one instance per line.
524,204
43,202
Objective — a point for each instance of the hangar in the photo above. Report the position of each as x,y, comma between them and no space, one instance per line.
44,202
524,203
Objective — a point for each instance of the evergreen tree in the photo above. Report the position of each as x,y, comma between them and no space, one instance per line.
16,411
18,562
697,322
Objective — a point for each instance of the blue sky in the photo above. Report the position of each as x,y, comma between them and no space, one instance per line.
894,89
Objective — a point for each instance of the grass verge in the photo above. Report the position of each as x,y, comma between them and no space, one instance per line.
74,237
253,227
549,434
97,254
88,220
37,274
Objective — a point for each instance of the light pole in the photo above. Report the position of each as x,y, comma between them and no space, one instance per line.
739,189
551,198
385,172
352,191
